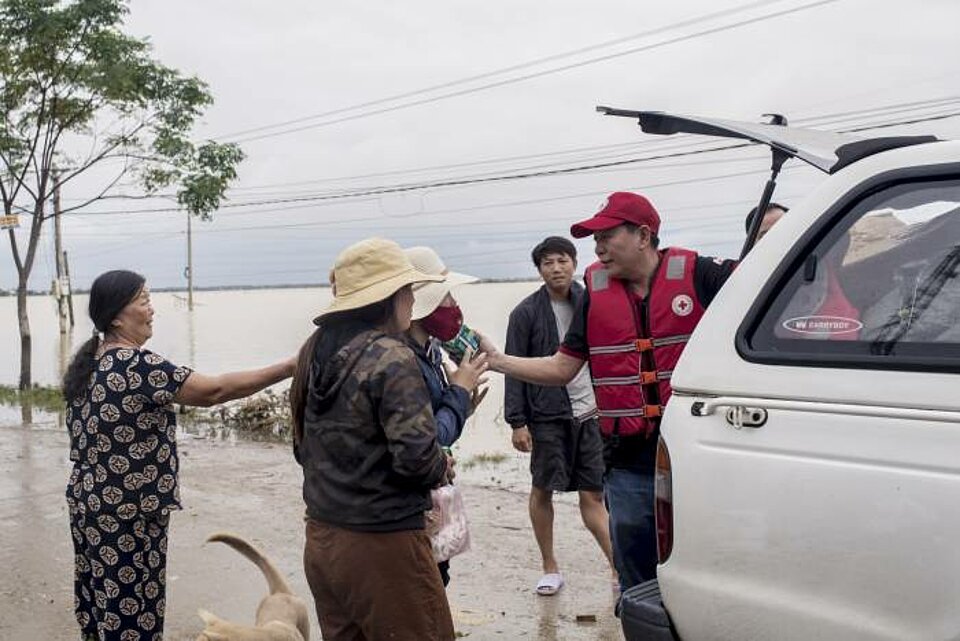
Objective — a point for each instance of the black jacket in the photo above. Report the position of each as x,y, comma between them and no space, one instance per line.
533,332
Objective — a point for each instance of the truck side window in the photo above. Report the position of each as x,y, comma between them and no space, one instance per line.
881,286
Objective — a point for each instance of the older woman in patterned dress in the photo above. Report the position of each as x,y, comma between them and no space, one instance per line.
124,451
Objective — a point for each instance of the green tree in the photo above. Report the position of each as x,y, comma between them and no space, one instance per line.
71,80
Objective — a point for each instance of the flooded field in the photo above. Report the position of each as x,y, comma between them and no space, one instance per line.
248,328
230,483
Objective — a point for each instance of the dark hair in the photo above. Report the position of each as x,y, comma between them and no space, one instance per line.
753,214
333,332
552,245
109,294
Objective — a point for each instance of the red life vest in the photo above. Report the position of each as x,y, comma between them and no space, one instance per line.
630,398
837,305
823,309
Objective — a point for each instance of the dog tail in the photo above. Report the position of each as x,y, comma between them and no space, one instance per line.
274,579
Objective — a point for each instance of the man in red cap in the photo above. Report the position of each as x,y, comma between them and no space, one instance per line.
641,305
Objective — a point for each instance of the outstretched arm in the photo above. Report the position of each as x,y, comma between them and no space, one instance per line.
203,391
554,371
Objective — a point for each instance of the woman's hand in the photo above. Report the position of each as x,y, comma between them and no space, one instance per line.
477,397
469,375
451,472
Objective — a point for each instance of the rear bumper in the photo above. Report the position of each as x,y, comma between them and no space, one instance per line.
643,616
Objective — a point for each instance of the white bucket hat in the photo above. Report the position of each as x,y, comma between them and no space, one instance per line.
427,296
371,271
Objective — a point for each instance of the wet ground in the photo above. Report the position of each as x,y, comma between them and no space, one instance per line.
253,489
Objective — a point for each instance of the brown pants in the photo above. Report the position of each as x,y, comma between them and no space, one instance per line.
375,586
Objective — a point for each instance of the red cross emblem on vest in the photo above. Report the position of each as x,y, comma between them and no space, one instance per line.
682,305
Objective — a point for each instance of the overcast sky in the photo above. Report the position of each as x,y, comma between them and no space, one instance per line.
270,63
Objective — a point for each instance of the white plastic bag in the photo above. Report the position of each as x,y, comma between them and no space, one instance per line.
447,523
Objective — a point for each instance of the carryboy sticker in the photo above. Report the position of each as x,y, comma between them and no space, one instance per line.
822,325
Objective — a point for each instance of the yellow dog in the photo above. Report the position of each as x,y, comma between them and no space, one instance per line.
281,615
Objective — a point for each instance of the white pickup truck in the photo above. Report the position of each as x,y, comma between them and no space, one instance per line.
808,482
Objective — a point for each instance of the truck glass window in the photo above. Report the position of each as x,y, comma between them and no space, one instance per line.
883,284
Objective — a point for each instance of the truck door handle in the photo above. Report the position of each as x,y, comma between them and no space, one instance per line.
740,416
755,410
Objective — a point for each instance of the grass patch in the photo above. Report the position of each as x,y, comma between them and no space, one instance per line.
484,458
264,416
46,398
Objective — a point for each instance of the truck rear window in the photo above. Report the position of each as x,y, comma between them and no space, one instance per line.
881,287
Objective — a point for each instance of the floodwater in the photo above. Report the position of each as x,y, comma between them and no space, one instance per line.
254,488
239,329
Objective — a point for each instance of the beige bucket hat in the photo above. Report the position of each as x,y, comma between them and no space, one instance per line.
427,296
371,271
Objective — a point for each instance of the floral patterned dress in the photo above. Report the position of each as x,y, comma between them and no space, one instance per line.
121,491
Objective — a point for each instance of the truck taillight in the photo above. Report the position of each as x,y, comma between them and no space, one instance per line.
664,502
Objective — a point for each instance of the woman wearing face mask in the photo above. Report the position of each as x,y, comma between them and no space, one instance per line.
437,318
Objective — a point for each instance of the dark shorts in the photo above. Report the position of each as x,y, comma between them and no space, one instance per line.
567,456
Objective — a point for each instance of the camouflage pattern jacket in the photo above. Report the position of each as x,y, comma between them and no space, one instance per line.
369,450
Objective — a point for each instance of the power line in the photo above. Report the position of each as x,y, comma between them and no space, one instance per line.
891,109
659,144
433,185
379,191
518,248
503,70
429,185
458,165
538,74
915,121
353,221
478,228
595,166
488,161
601,151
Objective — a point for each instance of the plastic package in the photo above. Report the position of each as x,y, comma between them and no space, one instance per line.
447,523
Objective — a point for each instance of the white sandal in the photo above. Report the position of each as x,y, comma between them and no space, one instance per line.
549,584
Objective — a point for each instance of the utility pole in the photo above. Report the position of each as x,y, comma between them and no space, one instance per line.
189,263
66,273
61,289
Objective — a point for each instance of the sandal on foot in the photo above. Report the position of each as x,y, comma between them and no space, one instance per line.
549,584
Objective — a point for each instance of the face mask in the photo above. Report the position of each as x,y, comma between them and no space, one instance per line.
443,323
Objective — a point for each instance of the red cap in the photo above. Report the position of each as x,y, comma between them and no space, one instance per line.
622,207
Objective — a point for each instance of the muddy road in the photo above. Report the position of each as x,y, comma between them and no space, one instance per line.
253,489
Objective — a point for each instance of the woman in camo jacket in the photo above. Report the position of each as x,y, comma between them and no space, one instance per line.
123,446
365,434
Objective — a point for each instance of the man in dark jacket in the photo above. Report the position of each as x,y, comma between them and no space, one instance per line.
558,424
